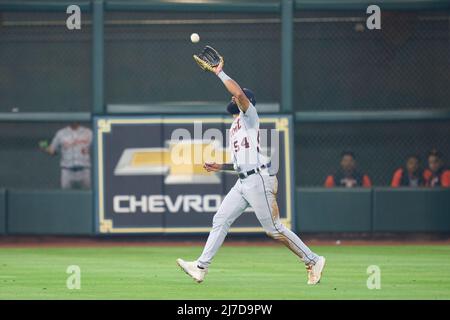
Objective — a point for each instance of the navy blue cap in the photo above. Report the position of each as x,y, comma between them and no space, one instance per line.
234,109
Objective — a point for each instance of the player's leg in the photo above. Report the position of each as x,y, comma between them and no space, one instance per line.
230,209
261,192
66,181
76,179
85,178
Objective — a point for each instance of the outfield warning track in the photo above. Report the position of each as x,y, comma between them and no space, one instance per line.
65,242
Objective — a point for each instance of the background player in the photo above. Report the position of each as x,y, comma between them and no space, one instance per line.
74,144
256,186
347,175
437,174
411,175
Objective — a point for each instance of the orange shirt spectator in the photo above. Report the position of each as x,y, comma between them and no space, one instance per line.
436,175
347,176
410,176
441,179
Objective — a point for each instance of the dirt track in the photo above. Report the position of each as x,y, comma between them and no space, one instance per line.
55,242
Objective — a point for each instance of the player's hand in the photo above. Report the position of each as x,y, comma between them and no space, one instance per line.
218,68
212,166
43,144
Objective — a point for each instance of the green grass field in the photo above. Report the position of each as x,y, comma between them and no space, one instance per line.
407,272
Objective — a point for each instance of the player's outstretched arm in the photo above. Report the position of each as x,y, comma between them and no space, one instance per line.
215,167
232,87
211,60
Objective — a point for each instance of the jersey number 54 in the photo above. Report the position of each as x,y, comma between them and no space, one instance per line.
244,143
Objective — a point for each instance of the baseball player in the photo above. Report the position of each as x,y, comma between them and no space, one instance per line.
255,187
73,143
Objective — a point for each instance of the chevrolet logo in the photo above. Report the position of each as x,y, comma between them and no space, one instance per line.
181,161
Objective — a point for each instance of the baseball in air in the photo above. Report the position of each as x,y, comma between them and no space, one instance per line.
195,38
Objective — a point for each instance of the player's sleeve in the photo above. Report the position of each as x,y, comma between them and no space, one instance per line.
445,180
251,115
56,142
397,178
366,181
329,182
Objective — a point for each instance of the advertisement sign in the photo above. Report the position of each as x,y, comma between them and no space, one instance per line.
150,177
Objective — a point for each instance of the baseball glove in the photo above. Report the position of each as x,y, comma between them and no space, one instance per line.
208,59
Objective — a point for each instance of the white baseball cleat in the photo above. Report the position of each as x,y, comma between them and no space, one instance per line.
315,271
191,268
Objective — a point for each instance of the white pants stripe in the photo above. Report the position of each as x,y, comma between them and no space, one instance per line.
258,191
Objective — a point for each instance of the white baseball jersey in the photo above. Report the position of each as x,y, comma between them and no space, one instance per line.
74,146
244,141
257,190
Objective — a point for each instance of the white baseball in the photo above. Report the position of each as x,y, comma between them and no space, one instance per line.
195,38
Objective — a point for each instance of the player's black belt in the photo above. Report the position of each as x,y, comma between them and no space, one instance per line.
243,175
76,168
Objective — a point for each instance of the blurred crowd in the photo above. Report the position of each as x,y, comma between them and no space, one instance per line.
412,174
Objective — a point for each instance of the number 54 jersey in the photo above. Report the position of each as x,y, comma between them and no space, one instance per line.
244,141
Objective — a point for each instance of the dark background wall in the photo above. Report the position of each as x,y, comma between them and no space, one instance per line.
380,147
337,66
340,70
403,66
144,59
43,65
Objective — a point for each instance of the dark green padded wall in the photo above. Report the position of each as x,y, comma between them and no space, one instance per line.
50,212
318,210
2,211
333,210
411,210
376,210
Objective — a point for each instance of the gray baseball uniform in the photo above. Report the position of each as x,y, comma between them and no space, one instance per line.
74,146
257,190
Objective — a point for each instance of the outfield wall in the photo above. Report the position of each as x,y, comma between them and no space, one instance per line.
373,210
2,211
309,50
317,67
49,212
334,210
58,212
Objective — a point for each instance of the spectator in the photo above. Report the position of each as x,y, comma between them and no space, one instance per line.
73,142
436,175
347,176
411,175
